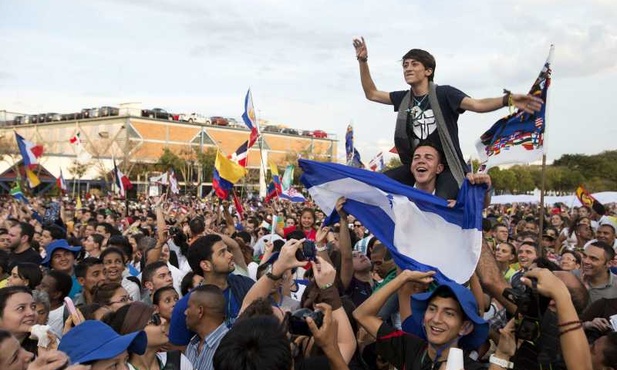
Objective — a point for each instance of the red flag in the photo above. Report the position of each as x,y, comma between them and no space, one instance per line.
238,205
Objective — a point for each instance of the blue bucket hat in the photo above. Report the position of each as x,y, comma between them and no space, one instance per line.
419,303
57,244
93,340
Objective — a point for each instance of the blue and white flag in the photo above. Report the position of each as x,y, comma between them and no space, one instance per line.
419,229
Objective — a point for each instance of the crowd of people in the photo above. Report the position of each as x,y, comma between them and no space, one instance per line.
187,283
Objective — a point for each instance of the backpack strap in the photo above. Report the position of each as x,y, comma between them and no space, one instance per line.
173,360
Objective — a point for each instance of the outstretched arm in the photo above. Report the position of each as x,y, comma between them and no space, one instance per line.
370,90
528,103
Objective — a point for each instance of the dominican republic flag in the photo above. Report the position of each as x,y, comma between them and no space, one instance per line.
29,151
250,119
419,229
122,182
518,137
377,164
61,183
241,154
292,195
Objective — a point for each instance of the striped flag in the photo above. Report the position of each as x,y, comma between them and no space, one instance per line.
122,182
30,152
17,194
61,183
250,119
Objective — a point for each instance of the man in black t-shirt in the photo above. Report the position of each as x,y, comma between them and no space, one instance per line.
20,236
420,120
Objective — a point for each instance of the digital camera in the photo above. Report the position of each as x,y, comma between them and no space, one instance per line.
308,252
530,306
297,321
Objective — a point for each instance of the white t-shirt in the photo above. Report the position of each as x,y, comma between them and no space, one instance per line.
185,363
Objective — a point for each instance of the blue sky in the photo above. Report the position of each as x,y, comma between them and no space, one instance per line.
298,58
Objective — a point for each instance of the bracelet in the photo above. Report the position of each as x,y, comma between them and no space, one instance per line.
322,249
362,59
506,98
579,326
326,286
570,323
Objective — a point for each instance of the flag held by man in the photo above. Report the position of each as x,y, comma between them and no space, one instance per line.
518,137
61,183
419,229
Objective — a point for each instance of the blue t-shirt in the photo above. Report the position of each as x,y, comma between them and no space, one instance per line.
75,288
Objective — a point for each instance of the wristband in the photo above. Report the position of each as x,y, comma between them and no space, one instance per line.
501,362
322,249
362,59
326,286
506,98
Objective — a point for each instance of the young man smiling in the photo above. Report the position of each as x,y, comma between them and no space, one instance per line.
440,320
430,113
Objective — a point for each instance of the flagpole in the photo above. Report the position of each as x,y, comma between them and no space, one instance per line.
542,197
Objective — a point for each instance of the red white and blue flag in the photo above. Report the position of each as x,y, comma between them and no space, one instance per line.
518,137
377,164
250,119
241,154
30,152
122,182
61,183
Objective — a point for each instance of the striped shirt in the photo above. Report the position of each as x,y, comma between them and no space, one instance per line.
203,360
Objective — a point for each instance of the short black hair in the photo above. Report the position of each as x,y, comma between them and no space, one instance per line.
187,283
31,272
81,269
201,250
254,343
609,252
64,283
148,272
55,231
197,226
26,229
156,297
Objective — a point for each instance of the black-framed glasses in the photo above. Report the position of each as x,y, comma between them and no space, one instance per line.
357,225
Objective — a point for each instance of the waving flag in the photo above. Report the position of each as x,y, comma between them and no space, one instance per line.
288,177
61,183
173,181
292,195
588,200
274,189
30,152
377,164
241,154
249,118
238,205
33,179
18,194
419,229
82,154
225,174
122,182
518,137
353,156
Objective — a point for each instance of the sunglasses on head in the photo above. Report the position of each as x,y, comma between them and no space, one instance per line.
155,319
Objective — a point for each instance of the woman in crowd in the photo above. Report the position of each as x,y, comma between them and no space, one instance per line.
18,314
111,295
15,357
307,225
505,254
114,262
25,274
139,316
570,260
164,300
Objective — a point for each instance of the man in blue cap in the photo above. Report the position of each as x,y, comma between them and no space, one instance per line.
98,345
61,256
440,320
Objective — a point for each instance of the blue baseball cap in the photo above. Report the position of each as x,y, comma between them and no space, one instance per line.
93,340
419,304
57,244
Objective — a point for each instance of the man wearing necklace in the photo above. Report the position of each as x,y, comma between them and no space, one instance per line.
421,121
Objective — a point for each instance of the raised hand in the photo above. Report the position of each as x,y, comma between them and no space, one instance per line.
360,46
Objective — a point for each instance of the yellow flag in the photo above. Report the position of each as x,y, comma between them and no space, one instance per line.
273,169
227,169
33,179
78,204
